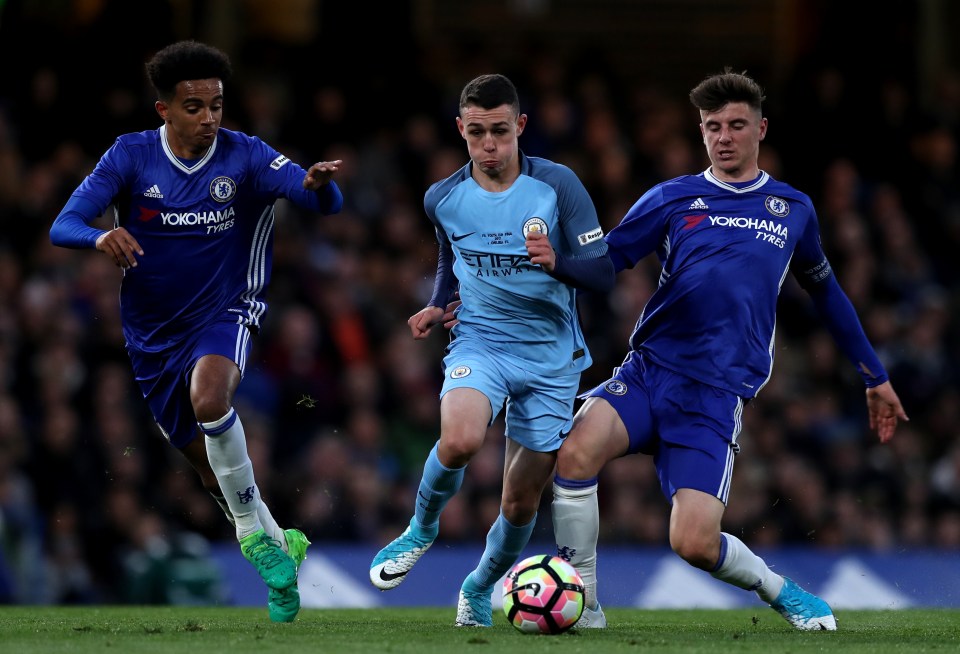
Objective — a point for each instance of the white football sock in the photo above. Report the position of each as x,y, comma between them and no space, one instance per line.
744,569
270,525
576,527
266,519
227,452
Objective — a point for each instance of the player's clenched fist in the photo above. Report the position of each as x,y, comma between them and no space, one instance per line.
422,321
541,251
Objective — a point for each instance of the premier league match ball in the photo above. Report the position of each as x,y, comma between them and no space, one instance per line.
543,594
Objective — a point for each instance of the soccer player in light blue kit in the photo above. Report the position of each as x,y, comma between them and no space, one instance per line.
193,233
704,346
519,234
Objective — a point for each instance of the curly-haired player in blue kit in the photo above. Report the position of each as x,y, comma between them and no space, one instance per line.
193,233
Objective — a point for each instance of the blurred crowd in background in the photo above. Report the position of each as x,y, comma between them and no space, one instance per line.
339,403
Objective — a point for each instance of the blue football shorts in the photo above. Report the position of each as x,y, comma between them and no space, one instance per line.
690,428
539,408
164,377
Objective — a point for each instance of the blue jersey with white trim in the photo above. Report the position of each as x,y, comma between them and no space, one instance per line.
725,252
508,302
205,227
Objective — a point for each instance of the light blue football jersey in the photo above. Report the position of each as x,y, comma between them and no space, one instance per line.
205,227
508,303
725,251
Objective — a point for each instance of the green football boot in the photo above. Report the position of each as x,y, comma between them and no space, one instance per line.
276,569
283,605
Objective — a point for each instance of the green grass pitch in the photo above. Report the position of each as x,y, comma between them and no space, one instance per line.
206,630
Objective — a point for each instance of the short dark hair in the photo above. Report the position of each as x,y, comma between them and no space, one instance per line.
489,92
718,90
186,60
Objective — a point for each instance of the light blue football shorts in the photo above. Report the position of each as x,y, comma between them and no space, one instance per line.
164,378
539,408
690,428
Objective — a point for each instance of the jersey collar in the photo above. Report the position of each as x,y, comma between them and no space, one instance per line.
178,162
757,183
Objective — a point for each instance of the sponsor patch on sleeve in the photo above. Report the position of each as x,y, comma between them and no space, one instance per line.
590,237
279,162
819,272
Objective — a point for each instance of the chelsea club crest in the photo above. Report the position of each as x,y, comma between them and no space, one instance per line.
222,189
777,206
615,387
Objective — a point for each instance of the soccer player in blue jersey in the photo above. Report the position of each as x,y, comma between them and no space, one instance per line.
193,208
703,347
518,235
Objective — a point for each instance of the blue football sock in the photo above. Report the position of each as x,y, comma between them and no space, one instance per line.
437,486
505,542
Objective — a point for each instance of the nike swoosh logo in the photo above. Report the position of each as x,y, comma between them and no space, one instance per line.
456,237
390,576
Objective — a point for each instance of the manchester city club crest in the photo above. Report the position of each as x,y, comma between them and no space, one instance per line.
534,224
777,206
460,372
222,189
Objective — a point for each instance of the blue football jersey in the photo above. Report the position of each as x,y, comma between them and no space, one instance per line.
205,227
508,302
725,252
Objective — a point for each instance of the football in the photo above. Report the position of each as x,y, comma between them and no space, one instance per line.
543,594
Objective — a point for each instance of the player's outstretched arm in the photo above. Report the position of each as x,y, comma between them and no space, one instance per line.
885,410
320,173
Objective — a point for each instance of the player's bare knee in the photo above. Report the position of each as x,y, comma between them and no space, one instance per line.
456,450
697,552
518,513
209,409
576,461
